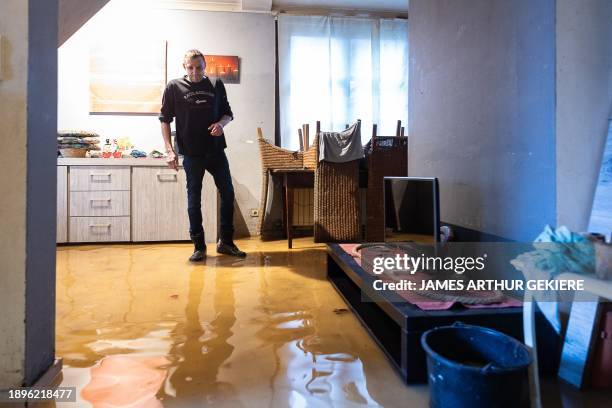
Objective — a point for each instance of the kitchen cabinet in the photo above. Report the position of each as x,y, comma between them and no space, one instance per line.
99,206
119,200
160,205
62,204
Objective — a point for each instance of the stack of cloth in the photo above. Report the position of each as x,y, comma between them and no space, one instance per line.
557,250
76,143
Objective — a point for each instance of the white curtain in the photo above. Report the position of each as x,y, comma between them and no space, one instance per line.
340,69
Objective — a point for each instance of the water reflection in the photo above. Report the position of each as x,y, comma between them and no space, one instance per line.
313,367
199,349
258,332
126,381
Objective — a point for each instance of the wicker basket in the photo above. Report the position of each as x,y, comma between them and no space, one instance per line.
73,152
388,157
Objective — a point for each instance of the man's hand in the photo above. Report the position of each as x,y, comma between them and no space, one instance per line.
172,160
216,129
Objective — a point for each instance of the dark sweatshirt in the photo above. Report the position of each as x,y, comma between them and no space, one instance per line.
195,106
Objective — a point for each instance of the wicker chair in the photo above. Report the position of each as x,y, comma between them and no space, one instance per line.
336,201
274,157
386,156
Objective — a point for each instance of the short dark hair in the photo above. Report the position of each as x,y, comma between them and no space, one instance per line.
191,54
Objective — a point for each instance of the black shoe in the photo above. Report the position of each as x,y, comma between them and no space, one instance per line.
199,251
229,248
198,255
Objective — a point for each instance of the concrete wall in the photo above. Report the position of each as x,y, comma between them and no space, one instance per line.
249,36
584,104
41,188
13,116
27,181
482,117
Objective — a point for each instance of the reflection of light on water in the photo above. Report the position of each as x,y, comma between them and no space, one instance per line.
155,343
323,378
340,357
293,324
168,387
284,315
75,377
209,333
126,380
296,400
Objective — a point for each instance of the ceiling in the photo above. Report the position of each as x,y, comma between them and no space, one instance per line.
74,13
287,5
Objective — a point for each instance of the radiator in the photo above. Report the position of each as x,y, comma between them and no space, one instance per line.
303,207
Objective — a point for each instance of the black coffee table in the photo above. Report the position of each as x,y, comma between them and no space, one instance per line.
397,325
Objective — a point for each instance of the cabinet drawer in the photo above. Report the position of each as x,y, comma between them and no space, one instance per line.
159,205
99,203
95,178
99,229
159,199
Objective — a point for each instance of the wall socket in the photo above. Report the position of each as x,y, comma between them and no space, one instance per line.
254,212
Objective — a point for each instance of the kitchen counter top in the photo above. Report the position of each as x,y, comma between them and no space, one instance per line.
144,161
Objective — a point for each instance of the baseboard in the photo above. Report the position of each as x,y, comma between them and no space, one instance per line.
51,377
463,234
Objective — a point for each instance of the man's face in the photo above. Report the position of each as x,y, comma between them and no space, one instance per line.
194,68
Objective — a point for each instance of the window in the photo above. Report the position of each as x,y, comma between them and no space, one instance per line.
338,70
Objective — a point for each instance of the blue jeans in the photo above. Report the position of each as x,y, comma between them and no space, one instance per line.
218,167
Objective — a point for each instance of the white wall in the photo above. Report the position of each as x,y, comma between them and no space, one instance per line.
249,36
584,104
13,116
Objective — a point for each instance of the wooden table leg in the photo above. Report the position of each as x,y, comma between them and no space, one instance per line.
289,204
284,204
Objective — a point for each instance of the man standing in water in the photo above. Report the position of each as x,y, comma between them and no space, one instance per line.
202,111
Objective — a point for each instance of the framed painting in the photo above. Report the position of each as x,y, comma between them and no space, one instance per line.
127,76
224,67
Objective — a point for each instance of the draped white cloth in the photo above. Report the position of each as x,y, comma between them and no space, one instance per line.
340,69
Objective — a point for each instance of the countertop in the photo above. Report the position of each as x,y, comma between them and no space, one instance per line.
144,161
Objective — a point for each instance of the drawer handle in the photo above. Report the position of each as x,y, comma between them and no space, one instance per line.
166,176
107,175
92,202
99,225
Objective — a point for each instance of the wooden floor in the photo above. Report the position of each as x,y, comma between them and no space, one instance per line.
140,326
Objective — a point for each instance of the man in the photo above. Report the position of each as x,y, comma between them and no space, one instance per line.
202,111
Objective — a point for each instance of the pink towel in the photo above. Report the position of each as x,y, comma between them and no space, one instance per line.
425,303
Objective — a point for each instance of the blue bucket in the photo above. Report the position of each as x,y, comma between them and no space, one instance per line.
472,366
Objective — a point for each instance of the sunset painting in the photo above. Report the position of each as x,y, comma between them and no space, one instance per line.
223,67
